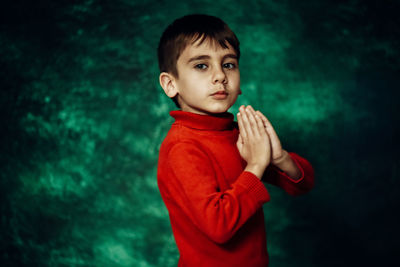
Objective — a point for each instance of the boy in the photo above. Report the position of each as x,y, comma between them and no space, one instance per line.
210,168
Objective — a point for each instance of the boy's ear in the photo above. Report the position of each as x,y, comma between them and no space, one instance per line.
167,82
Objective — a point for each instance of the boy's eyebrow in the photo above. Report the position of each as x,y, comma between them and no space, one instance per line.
230,56
198,58
202,57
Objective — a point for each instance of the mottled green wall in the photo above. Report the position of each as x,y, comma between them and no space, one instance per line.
82,117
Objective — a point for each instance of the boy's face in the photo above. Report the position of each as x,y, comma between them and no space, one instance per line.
209,78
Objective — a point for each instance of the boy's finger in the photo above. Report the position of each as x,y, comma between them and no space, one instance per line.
260,125
252,122
263,119
242,131
239,141
275,142
258,120
251,109
266,122
246,123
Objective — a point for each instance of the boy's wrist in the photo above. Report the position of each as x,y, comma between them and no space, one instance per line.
287,165
282,160
256,169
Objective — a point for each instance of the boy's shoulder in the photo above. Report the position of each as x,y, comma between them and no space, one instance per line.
199,132
179,134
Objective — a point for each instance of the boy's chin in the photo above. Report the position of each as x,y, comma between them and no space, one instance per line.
217,111
213,110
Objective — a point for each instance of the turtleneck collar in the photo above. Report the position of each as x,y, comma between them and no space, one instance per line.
221,122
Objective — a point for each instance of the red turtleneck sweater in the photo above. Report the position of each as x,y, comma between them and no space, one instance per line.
214,206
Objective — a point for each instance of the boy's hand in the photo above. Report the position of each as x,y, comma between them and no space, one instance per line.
278,153
253,142
279,157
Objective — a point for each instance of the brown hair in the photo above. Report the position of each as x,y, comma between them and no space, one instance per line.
190,29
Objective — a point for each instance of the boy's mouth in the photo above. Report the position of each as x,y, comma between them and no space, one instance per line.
219,95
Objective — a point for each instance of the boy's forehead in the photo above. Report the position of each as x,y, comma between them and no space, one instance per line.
206,46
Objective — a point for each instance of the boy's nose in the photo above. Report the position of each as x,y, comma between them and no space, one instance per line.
219,76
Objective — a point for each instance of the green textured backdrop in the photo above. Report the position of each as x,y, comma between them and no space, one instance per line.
82,118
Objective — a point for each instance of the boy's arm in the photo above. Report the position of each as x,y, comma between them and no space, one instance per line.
189,184
305,183
189,181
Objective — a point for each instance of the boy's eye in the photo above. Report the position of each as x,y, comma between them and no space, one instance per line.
201,66
229,65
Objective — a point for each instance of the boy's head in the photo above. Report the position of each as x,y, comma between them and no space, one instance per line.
208,46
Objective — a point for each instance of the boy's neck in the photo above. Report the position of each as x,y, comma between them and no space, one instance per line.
219,115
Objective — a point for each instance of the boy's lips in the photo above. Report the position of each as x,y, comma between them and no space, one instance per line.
219,95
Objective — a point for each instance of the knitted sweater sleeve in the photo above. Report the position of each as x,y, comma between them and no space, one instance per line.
305,183
190,182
